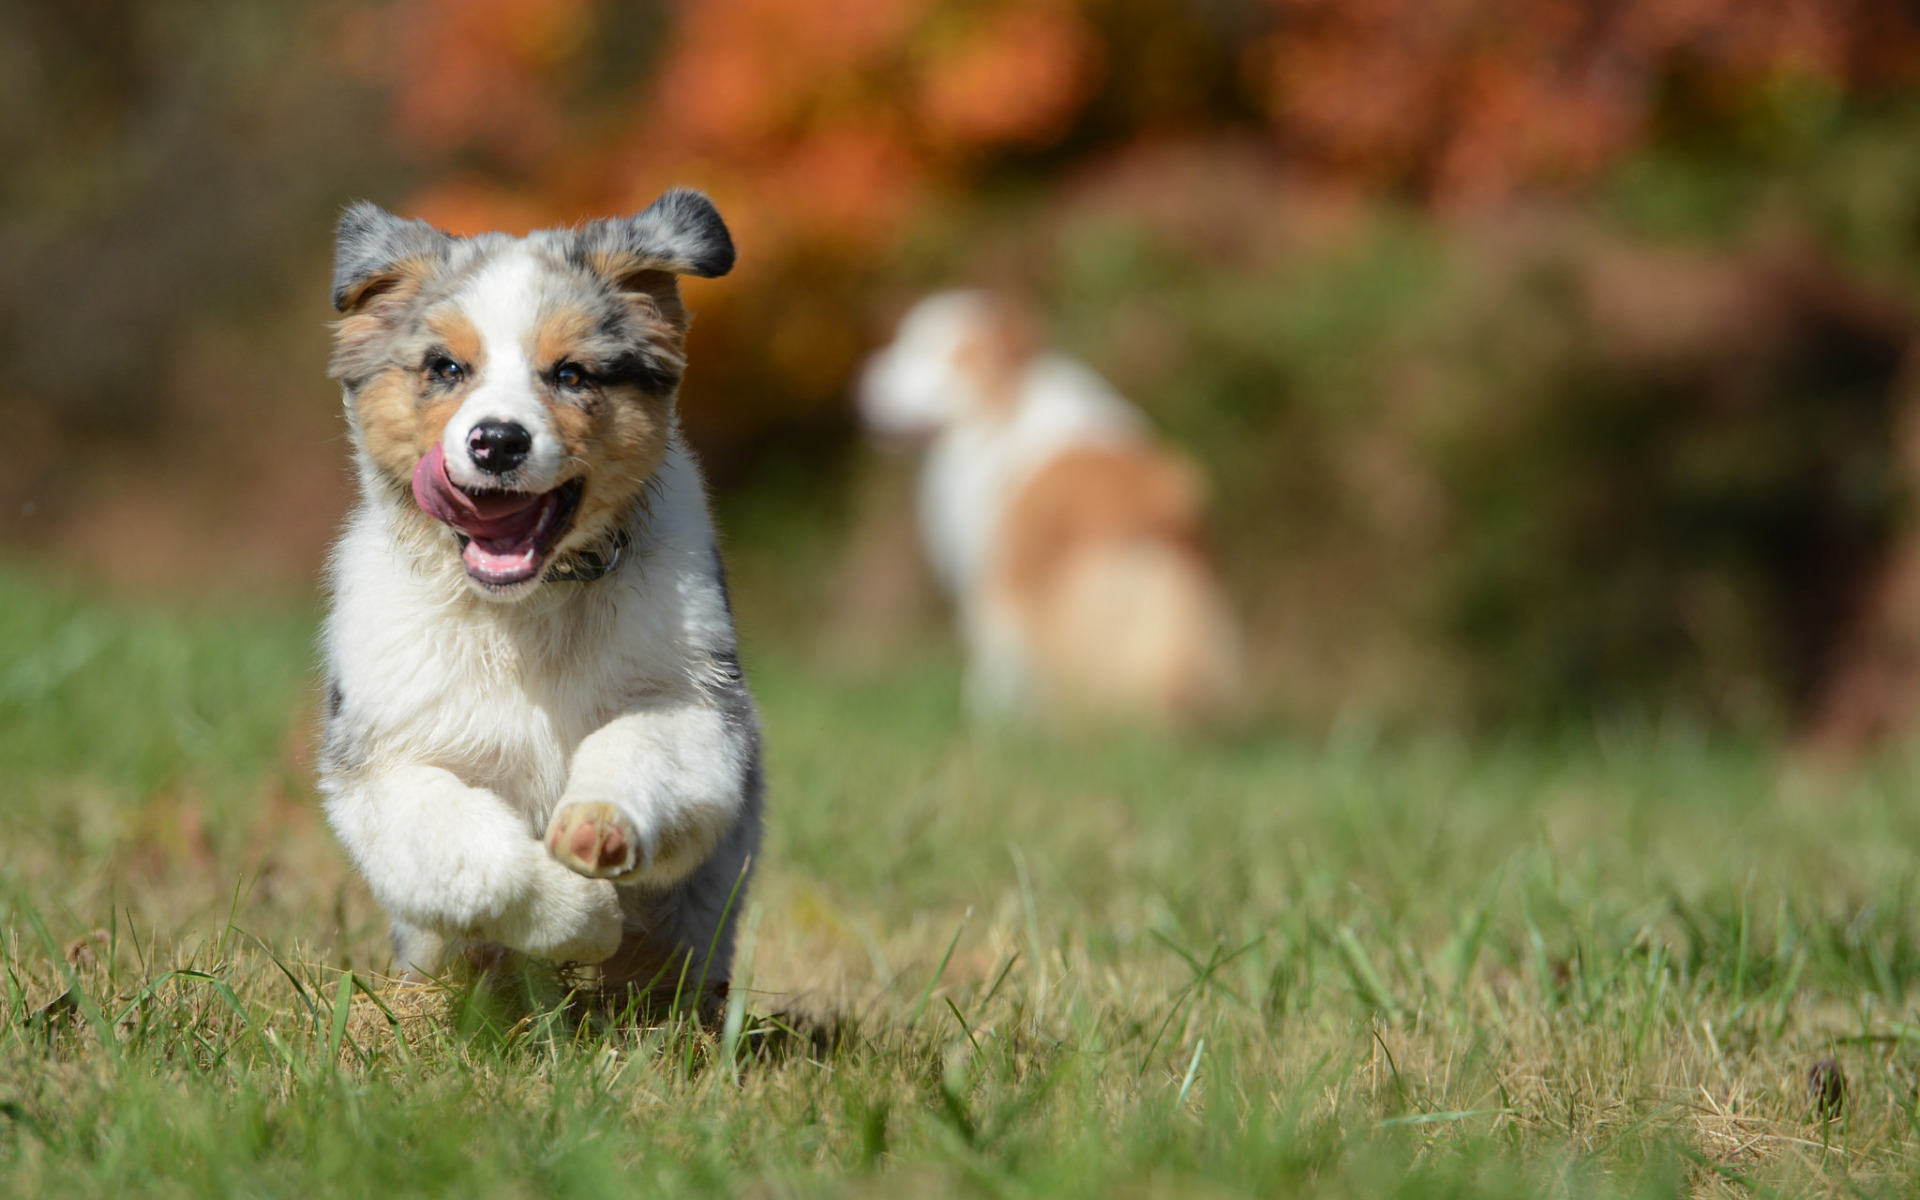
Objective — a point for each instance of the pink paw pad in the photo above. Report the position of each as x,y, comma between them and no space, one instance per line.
591,842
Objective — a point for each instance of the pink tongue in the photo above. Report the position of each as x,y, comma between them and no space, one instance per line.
489,515
502,525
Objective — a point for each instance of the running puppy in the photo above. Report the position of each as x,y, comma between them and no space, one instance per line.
537,733
1069,537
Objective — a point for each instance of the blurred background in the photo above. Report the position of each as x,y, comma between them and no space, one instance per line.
1549,358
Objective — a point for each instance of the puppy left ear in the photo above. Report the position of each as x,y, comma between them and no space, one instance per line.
681,233
374,251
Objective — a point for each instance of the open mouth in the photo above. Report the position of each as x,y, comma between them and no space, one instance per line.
505,537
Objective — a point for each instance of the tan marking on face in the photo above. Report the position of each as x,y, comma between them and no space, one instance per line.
399,414
398,418
619,443
395,426
558,335
617,436
458,337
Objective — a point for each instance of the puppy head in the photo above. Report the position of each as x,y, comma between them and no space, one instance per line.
518,390
958,357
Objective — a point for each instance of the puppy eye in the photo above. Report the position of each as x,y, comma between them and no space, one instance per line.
445,369
570,375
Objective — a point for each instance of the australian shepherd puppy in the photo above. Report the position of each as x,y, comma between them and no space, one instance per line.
537,734
1068,535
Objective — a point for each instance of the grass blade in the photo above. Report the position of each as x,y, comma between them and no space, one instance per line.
926,993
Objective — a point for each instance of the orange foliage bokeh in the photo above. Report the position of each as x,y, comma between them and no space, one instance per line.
827,125
480,72
815,125
1476,100
1019,78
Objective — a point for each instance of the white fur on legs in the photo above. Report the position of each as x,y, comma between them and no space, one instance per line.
673,776
455,862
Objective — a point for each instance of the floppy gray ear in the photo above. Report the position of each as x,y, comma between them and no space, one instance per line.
374,250
681,232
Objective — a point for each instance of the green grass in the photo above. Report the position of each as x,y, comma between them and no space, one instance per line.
1597,966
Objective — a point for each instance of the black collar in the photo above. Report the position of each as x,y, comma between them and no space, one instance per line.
585,566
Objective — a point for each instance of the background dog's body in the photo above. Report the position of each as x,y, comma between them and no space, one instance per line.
1069,537
538,735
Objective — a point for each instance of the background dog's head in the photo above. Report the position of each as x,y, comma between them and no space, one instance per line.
957,357
520,390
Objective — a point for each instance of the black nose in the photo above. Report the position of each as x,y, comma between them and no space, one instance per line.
497,447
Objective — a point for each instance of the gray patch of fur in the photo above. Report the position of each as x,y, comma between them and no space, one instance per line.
340,750
727,688
371,241
684,922
726,593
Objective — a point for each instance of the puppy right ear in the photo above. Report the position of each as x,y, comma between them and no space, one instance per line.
682,232
375,251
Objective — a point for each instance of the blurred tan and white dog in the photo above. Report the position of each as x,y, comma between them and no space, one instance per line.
537,733
1068,535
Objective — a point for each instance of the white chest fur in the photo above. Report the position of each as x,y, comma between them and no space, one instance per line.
502,695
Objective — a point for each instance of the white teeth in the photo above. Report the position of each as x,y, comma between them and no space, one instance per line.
491,568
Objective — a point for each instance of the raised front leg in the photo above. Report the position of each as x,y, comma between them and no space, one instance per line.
453,863
652,792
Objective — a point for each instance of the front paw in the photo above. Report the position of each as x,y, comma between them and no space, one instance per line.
570,919
599,933
597,840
